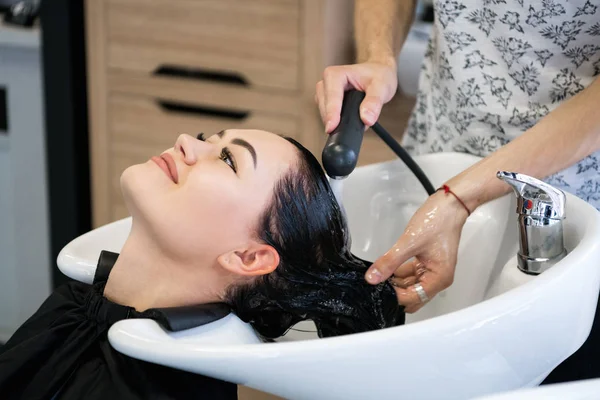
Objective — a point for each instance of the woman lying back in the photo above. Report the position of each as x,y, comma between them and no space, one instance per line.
245,218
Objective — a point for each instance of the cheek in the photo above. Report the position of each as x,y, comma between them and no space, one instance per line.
210,216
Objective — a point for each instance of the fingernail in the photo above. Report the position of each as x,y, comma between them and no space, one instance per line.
374,276
328,126
370,115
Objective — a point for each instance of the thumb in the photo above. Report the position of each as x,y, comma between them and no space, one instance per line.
386,265
370,108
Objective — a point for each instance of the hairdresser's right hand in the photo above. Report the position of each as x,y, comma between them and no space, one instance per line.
426,253
378,80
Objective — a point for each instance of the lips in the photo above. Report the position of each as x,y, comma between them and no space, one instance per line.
167,164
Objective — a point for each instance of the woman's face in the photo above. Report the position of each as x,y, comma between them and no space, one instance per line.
203,197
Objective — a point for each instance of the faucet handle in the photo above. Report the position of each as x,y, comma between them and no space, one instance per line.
534,197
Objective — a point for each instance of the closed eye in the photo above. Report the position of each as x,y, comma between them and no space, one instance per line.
228,159
226,156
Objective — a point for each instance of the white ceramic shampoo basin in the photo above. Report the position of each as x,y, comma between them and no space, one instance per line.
464,343
588,389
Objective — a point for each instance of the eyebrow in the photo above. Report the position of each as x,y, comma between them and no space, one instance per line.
243,143
247,146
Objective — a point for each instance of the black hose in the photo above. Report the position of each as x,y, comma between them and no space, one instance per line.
404,156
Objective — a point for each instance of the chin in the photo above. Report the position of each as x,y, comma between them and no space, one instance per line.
139,188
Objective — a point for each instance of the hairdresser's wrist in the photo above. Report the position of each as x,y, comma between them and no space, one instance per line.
463,195
450,206
385,58
474,187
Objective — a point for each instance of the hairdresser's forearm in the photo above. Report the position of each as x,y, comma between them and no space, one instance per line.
381,27
565,136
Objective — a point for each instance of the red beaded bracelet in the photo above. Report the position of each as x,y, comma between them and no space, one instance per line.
447,190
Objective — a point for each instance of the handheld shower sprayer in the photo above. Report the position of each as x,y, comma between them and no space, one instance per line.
341,151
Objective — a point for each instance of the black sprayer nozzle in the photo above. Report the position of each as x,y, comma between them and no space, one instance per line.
341,150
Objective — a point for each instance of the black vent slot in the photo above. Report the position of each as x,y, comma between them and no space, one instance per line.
200,74
3,111
203,110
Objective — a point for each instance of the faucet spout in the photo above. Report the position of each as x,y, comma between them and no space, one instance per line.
541,210
538,197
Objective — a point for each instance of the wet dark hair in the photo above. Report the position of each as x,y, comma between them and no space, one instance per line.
318,278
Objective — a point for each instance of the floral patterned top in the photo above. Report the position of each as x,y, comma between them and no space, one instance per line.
494,68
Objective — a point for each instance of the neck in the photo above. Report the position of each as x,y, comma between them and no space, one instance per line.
145,277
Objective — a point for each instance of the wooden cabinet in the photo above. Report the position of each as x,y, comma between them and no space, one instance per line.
159,68
257,41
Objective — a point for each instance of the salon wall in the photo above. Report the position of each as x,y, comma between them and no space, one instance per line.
44,156
25,263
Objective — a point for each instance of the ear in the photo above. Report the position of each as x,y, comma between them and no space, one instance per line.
253,260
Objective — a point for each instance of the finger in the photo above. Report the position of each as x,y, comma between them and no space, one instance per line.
409,298
409,268
431,282
420,270
370,108
411,305
413,309
403,283
320,98
335,83
387,264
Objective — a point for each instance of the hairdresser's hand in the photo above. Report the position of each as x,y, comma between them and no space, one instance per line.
425,253
378,80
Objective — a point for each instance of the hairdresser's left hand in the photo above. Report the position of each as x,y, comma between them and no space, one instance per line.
425,253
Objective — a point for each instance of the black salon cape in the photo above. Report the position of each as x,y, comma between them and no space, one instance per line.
62,353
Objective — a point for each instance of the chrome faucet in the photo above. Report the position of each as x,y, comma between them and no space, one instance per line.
541,210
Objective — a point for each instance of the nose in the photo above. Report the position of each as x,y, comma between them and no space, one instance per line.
191,148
